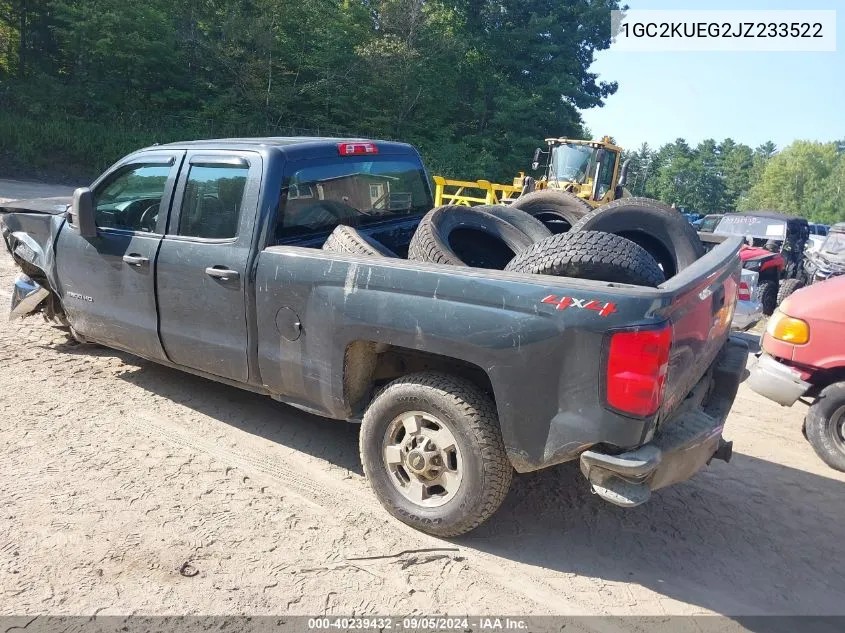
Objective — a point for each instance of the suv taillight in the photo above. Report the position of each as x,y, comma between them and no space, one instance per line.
744,293
637,362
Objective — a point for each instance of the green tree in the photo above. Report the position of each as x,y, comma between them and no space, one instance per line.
736,163
806,179
477,84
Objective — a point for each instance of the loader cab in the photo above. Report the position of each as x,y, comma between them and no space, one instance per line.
591,170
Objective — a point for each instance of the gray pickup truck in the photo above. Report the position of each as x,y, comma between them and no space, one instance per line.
206,256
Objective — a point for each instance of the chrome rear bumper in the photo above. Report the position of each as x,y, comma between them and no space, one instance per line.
677,451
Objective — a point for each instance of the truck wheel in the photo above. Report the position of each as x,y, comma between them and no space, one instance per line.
590,255
525,222
768,292
825,426
787,287
465,236
558,210
659,229
345,239
433,453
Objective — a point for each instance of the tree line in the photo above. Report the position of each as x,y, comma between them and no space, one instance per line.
805,178
474,83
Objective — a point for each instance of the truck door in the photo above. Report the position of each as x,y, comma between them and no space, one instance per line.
202,263
107,282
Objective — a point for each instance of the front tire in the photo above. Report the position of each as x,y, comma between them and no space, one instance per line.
769,295
825,426
787,287
433,453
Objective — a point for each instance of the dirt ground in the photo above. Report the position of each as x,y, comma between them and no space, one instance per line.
116,472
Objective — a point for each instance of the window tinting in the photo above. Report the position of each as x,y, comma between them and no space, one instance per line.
212,203
131,200
354,192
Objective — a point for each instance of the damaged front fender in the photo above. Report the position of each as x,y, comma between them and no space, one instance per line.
27,295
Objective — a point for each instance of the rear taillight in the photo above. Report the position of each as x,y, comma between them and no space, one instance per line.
356,149
637,362
744,293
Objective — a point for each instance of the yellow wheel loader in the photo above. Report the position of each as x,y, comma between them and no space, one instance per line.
591,171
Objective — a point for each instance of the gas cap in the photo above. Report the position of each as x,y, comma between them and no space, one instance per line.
288,324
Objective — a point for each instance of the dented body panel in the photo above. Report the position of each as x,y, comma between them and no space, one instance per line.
313,326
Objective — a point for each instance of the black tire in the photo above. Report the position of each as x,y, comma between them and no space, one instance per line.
328,211
558,210
787,287
470,416
590,255
768,293
525,222
465,236
823,426
664,232
345,239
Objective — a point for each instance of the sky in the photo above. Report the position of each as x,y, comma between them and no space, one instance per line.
751,97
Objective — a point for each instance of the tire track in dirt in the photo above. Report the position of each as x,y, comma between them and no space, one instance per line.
306,486
330,494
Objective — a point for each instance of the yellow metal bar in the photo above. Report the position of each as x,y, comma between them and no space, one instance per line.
494,193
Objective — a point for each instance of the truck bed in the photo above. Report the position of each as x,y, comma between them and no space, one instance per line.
543,363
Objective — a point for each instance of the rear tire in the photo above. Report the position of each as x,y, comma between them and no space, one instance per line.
345,239
659,229
590,255
768,291
787,287
447,425
825,426
558,210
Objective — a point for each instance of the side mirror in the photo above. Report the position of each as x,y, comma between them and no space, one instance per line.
82,212
535,162
623,173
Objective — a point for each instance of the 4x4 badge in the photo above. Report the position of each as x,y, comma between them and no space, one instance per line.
562,303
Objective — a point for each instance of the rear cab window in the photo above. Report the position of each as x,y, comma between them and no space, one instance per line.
359,191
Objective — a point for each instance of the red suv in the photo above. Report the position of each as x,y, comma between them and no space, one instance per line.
804,357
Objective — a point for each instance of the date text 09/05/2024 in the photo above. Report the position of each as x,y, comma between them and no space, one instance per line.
418,623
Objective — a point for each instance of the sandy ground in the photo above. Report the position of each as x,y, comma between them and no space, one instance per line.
20,189
115,472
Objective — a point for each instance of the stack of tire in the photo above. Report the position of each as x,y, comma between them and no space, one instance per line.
632,240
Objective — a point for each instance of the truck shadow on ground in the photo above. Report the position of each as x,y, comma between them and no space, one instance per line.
750,537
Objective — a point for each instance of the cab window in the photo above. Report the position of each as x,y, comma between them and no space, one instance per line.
608,164
211,206
317,196
131,199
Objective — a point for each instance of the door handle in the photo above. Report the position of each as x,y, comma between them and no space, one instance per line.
136,260
222,273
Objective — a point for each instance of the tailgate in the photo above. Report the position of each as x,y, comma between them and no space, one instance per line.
700,305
